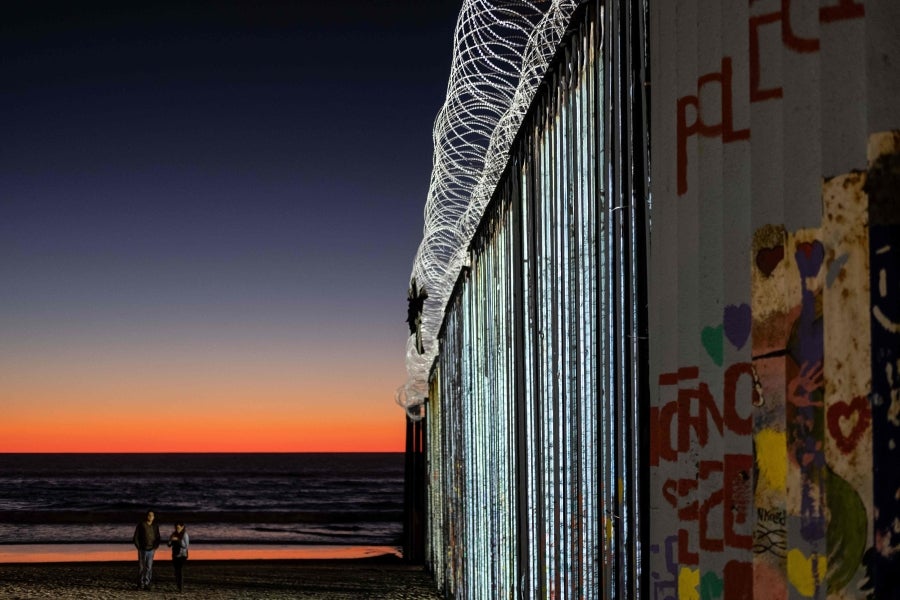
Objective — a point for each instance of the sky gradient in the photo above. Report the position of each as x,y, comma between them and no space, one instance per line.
208,216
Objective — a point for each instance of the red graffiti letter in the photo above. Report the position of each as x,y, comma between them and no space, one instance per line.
706,410
707,543
736,423
843,10
661,425
725,127
788,38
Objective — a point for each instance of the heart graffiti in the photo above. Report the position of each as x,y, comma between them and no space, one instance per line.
848,421
768,258
711,338
737,321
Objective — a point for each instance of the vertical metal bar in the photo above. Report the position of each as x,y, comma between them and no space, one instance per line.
638,63
539,365
610,289
589,269
530,390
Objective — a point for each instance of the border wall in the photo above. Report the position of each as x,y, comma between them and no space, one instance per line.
671,368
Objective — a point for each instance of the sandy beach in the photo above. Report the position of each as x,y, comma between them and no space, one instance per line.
368,578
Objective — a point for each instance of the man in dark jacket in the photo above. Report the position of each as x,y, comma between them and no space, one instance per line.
146,540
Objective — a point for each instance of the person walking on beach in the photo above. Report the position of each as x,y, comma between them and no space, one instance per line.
179,541
146,540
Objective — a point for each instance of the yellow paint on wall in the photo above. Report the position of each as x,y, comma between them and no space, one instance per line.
806,573
771,458
689,584
608,526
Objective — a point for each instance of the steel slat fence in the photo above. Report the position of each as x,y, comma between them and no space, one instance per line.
532,413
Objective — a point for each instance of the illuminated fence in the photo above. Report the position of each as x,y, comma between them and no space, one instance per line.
718,417
532,410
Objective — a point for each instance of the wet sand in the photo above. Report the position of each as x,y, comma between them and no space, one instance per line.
367,578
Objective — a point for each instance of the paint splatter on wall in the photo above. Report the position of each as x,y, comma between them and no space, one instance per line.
812,511
775,300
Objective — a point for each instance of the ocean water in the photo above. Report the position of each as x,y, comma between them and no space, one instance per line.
225,499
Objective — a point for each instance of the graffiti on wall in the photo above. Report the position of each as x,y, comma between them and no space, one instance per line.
695,118
712,505
813,510
799,483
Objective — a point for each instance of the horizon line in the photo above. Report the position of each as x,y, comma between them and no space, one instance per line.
2,452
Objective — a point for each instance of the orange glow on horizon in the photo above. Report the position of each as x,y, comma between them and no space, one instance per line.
198,433
234,425
123,408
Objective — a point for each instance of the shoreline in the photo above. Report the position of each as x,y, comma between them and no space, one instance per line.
97,553
312,579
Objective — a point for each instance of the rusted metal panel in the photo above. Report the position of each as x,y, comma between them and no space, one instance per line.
846,361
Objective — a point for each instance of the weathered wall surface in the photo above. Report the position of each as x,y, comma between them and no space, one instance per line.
774,299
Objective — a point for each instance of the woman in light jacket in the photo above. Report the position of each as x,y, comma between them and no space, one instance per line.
179,542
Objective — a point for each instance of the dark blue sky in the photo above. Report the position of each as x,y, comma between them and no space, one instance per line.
239,181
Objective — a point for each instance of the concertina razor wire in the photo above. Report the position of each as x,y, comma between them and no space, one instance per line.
500,54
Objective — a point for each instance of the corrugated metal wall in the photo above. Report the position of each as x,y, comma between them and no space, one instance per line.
764,351
689,389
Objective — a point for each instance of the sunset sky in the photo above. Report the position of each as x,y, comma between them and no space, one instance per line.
208,216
